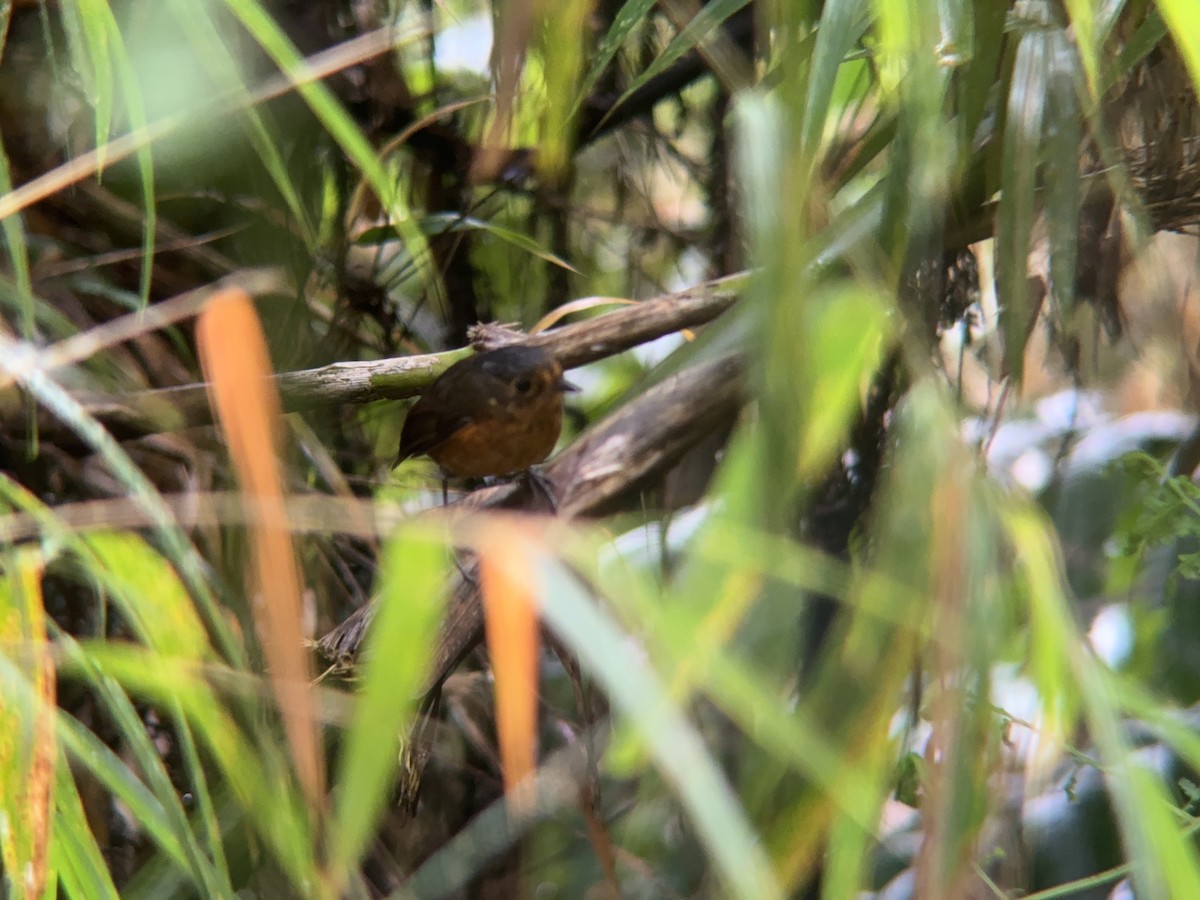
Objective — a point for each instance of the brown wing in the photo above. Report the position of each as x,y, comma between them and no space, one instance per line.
437,414
425,428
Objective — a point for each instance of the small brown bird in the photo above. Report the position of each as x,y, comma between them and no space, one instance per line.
496,413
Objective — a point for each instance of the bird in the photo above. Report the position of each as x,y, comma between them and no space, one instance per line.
493,414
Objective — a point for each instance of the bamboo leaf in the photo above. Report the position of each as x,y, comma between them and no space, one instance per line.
1022,157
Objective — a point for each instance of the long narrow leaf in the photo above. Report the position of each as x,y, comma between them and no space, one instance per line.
693,35
74,853
630,17
1022,158
394,669
676,748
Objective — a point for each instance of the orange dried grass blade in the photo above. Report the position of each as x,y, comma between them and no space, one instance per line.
552,318
28,750
581,305
233,353
506,581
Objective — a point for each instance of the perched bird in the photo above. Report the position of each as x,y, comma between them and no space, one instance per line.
495,413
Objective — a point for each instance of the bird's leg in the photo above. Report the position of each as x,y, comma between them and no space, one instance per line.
415,751
467,577
534,481
540,484
458,563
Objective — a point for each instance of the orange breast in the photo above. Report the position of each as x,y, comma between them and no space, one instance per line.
502,444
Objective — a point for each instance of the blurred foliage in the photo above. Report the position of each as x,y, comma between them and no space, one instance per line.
904,628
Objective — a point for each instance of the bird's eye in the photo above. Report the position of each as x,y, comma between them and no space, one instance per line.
524,385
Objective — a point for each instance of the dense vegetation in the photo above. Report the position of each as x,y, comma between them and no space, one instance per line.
852,584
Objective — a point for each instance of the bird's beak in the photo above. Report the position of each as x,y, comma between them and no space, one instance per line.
566,387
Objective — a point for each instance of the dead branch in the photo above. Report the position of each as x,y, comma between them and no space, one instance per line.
171,409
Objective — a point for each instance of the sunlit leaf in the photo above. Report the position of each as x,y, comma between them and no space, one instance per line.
1183,19
149,593
845,342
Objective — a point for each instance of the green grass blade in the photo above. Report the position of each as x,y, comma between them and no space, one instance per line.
254,767
692,35
154,801
394,669
74,854
842,26
975,80
1085,31
629,18
87,24
98,49
92,755
1022,159
562,53
202,791
1164,861
674,745
50,394
17,250
338,122
224,68
1183,20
